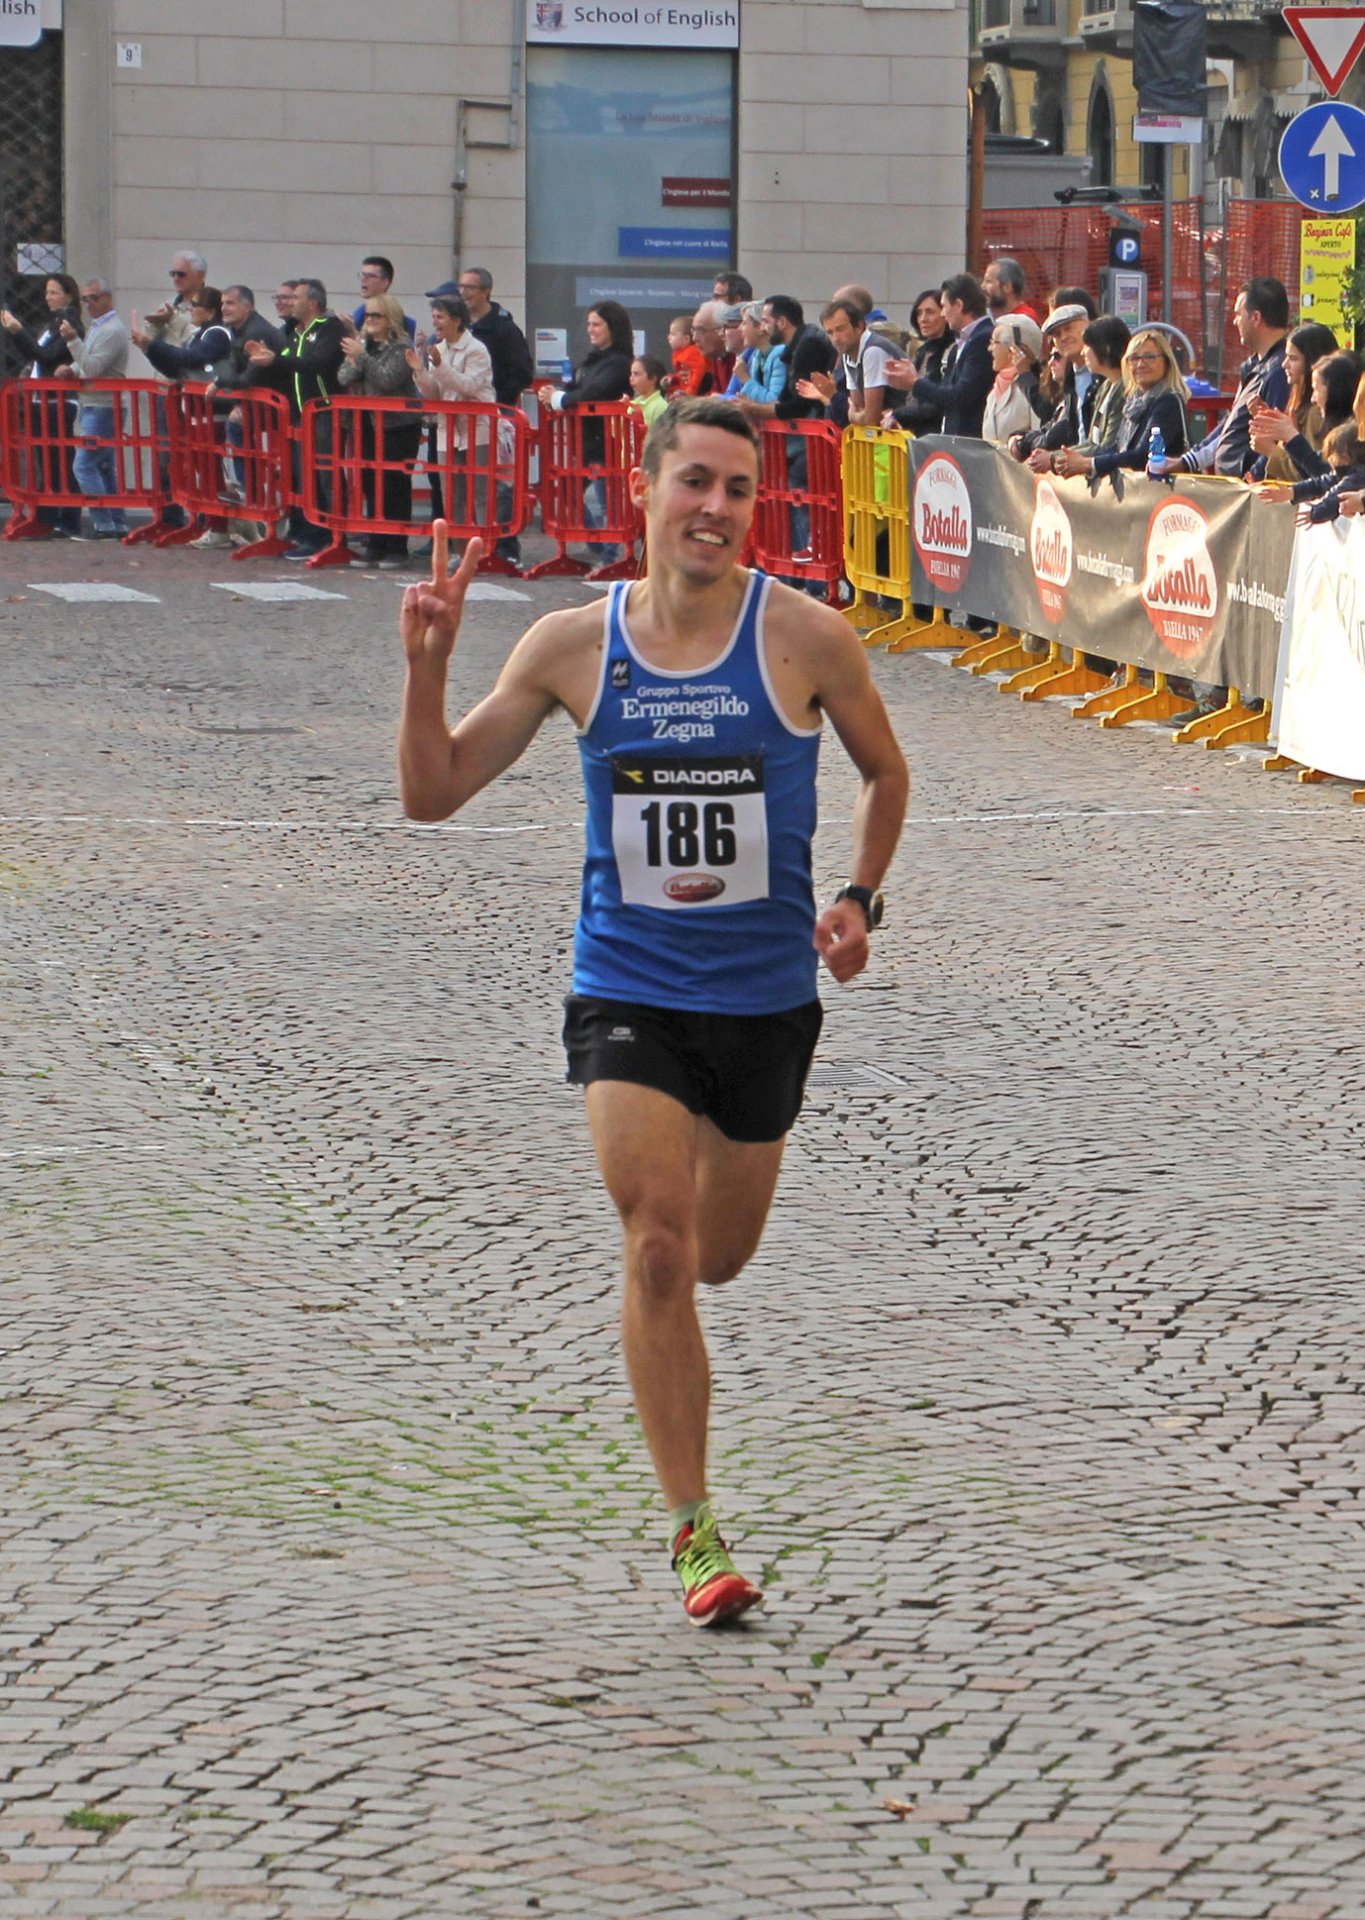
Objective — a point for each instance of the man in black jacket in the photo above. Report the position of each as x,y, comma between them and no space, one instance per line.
244,324
513,368
304,369
962,392
807,351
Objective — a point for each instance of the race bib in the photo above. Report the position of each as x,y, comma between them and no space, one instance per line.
689,833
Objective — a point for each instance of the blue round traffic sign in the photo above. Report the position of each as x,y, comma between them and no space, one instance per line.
1322,157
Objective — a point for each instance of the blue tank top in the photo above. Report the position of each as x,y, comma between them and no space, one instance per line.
701,810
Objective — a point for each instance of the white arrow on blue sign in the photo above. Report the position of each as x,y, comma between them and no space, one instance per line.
1322,157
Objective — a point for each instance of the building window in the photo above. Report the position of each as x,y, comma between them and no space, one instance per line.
629,184
1100,136
1048,122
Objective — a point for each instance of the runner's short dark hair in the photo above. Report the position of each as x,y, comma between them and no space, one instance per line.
384,265
699,411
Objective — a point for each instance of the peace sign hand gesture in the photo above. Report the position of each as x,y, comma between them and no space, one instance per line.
429,618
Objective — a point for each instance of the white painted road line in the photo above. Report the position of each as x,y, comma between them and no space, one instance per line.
264,826
274,590
490,590
84,590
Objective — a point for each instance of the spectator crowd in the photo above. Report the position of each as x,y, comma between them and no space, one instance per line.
1054,383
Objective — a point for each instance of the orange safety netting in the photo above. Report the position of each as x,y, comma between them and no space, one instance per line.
1069,246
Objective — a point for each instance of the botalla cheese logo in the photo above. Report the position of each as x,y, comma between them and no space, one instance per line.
943,521
1051,549
1179,585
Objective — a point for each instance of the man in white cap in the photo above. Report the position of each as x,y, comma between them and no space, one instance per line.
1064,337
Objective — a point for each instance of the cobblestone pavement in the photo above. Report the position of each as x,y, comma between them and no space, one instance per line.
332,1573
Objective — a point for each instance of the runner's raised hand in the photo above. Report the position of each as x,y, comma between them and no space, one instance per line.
429,617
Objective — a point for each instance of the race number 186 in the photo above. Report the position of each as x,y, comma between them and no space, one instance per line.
690,833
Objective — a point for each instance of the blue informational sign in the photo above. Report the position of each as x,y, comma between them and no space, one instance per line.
1322,157
677,243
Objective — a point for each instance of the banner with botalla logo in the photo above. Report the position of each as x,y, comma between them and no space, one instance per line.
1185,577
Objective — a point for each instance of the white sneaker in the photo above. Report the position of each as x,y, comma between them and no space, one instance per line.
213,538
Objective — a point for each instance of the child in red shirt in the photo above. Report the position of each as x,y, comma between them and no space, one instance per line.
689,363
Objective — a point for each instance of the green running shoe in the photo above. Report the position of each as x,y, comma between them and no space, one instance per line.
713,1590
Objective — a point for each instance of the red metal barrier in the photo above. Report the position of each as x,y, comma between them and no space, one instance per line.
360,456
586,457
794,505
230,457
39,442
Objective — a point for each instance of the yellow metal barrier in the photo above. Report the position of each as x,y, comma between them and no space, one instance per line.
876,469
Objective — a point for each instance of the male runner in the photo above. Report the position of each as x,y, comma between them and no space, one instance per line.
698,694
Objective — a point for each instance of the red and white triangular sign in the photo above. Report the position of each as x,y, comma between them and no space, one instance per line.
1332,37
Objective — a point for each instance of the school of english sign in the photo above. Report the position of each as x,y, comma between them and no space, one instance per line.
630,23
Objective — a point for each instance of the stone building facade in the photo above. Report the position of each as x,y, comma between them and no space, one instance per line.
292,136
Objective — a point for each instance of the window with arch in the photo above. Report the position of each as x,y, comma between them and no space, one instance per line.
1048,122
1099,139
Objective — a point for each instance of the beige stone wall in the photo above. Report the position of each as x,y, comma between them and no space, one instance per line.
853,143
293,136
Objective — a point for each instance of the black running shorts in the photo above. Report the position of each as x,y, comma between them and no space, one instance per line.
744,1072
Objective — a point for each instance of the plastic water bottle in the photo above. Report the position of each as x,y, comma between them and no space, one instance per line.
1156,453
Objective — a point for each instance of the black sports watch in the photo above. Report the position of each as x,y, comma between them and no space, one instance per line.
869,899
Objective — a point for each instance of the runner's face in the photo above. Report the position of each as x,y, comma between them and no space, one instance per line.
599,333
699,507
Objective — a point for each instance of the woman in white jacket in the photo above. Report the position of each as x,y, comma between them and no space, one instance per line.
1014,404
458,368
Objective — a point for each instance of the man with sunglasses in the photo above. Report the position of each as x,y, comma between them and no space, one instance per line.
173,321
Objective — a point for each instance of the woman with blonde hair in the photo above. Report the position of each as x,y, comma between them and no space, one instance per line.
1155,395
379,362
